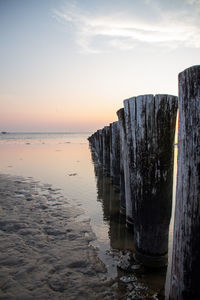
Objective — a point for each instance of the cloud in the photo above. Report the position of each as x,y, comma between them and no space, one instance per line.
124,31
194,2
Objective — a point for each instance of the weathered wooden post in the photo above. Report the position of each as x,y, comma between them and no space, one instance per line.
106,149
120,114
184,281
126,204
115,154
99,145
130,149
152,128
91,140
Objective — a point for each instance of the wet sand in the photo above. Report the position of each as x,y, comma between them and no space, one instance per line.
45,250
44,246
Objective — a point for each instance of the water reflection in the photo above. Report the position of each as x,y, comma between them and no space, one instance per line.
121,237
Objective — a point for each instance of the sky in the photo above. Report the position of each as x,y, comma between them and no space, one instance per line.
67,65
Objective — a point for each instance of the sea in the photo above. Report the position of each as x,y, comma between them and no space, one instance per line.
65,161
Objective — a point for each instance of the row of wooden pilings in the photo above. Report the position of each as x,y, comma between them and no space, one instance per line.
137,151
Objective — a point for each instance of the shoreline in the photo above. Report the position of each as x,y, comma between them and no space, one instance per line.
44,246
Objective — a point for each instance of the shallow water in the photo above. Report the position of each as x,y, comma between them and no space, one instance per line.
65,161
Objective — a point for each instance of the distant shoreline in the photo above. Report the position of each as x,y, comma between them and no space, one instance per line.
46,132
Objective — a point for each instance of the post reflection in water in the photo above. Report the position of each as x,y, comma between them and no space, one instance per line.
121,236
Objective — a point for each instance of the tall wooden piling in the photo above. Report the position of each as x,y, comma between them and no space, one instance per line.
184,281
126,204
99,145
120,114
130,149
152,136
106,149
96,142
115,154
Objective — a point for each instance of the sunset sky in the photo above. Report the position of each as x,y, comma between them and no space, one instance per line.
68,65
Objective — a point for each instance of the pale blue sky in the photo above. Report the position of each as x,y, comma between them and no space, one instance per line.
68,65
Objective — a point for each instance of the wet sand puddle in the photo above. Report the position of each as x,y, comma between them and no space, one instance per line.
57,248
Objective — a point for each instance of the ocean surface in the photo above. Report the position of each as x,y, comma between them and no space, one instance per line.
65,161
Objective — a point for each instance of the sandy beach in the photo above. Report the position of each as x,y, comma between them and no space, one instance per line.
44,246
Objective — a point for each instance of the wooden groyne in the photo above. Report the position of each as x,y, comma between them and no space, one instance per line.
140,146
184,281
144,158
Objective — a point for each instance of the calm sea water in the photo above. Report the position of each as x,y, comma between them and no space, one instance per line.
65,161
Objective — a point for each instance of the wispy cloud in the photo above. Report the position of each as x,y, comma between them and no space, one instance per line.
194,2
102,32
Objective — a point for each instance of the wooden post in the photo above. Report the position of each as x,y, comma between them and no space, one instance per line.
129,160
96,142
100,145
115,154
120,114
184,281
152,133
126,204
106,149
